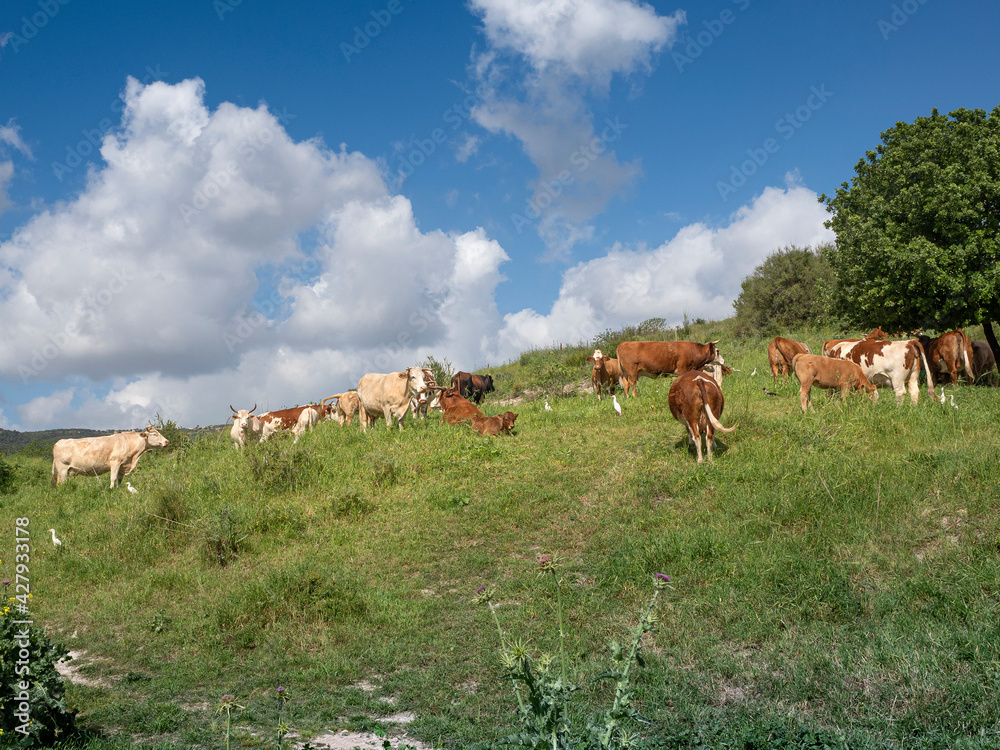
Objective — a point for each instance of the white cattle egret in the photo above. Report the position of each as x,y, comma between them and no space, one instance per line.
131,489
618,408
942,395
55,539
754,372
547,407
951,400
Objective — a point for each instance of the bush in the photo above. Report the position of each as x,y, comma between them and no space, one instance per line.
49,717
792,288
8,475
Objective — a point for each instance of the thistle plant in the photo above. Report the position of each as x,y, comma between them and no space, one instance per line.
543,689
226,705
281,696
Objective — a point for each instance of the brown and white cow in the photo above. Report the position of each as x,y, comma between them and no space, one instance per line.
877,335
419,409
983,361
696,401
951,353
245,424
296,420
893,363
498,425
388,395
781,352
118,454
605,374
346,407
828,372
654,358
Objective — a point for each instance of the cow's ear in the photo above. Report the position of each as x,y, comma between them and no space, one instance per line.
715,342
404,374
236,416
590,359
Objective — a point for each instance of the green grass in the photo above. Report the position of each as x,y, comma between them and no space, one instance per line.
836,574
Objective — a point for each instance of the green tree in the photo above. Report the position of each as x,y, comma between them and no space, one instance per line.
791,288
918,227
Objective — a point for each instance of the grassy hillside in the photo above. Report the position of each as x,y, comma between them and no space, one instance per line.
835,575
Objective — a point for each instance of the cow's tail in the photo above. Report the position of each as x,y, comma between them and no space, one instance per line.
927,368
966,348
55,473
708,410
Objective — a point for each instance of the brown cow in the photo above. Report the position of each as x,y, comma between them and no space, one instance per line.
346,407
457,408
100,455
827,372
780,353
949,352
498,425
654,358
877,335
696,401
983,361
606,372
472,386
296,420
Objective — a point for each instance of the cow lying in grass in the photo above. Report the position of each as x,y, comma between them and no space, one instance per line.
457,408
696,401
827,372
500,424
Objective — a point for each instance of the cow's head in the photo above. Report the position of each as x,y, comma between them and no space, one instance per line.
716,355
877,335
244,415
417,383
507,419
488,384
153,437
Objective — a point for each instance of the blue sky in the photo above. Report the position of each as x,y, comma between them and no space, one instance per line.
213,203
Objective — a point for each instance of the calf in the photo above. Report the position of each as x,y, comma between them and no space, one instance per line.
780,353
827,372
606,372
983,361
500,424
346,407
696,401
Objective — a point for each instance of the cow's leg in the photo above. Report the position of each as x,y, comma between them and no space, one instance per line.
912,385
804,396
114,474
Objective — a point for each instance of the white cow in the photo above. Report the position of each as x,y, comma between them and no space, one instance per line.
389,394
100,455
244,421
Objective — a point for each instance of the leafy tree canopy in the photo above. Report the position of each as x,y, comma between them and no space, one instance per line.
918,228
790,289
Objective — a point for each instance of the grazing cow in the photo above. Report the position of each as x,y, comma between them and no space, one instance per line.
456,408
827,372
296,420
419,409
243,421
99,455
606,372
498,425
472,386
388,395
949,352
877,335
780,353
983,361
654,358
346,407
696,401
893,363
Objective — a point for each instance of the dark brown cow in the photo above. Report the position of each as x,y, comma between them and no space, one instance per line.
696,401
781,352
877,335
457,408
828,372
654,358
950,352
983,361
498,425
472,386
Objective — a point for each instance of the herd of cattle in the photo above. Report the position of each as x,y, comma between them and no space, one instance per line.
695,398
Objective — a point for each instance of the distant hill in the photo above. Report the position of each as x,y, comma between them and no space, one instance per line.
12,441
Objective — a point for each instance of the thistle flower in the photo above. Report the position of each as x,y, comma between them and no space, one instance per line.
660,580
485,594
